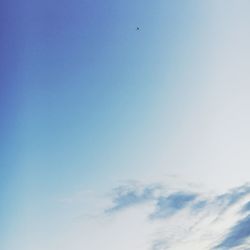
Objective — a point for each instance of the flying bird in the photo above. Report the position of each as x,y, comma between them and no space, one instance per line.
138,28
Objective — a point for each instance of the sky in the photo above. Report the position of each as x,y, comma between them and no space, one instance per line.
124,138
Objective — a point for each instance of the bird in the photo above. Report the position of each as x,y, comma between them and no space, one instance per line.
137,28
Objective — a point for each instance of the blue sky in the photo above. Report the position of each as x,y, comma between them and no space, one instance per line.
88,101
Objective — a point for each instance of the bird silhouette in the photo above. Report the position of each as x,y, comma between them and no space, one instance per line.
138,28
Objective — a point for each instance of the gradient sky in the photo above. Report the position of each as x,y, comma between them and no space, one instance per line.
87,101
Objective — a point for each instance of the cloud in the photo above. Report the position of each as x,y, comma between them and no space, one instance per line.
246,207
158,217
202,221
160,245
237,235
167,206
199,205
130,195
233,196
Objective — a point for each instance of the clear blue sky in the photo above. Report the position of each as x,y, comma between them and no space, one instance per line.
88,100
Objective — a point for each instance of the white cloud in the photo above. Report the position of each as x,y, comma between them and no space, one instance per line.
202,222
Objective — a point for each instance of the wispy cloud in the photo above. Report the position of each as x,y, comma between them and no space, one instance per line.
246,207
130,195
188,219
167,206
158,217
237,235
199,205
159,245
233,196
